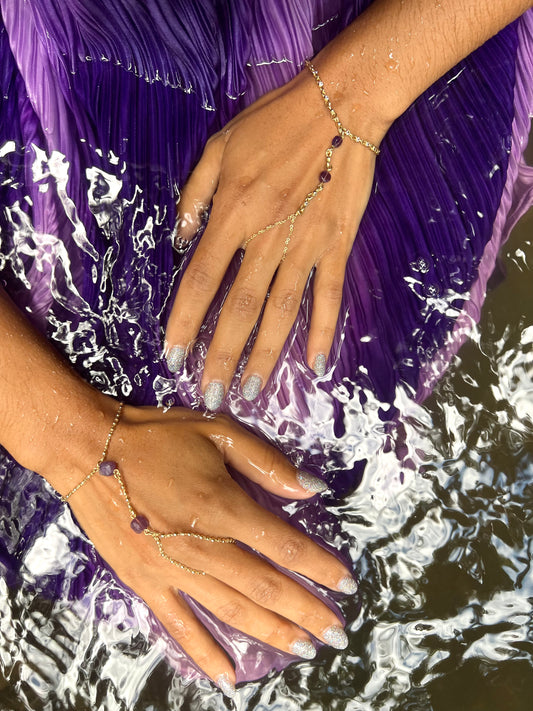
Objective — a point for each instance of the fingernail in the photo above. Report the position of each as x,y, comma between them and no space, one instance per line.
336,637
226,686
251,387
319,366
303,648
214,394
311,483
347,585
175,358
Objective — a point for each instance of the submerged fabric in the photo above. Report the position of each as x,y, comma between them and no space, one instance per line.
104,110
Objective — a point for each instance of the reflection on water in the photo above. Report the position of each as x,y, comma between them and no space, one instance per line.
441,531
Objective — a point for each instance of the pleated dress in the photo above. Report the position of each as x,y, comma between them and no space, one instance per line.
105,108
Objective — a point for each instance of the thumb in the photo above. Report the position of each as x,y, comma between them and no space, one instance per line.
199,189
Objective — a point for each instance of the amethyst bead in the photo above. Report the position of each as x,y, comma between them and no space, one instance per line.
325,176
139,524
336,142
107,468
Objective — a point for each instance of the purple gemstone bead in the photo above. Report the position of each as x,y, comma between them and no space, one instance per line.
139,523
107,468
336,142
325,176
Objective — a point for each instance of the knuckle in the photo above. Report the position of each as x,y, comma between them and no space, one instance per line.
221,358
277,635
180,630
240,190
231,612
266,590
333,292
279,206
186,550
291,550
243,303
313,618
200,499
265,354
244,183
327,333
286,302
203,659
198,278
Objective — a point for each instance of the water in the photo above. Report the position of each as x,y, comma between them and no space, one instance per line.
441,533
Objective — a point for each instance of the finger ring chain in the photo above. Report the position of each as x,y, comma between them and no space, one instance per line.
140,523
325,175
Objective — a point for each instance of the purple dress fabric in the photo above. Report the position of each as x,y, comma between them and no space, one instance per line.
104,110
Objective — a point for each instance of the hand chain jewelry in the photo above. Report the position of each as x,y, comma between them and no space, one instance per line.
325,175
140,523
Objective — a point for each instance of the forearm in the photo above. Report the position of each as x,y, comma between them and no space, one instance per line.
51,421
397,48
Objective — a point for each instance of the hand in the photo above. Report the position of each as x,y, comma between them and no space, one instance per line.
173,468
258,170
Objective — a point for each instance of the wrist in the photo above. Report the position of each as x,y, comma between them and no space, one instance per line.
75,441
360,109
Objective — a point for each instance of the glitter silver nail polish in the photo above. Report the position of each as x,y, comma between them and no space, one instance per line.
226,686
252,387
214,394
319,366
175,358
336,637
303,648
347,585
311,483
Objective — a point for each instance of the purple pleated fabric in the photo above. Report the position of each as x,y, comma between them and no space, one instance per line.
105,109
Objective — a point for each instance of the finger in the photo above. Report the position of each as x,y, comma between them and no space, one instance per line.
198,287
250,523
199,189
280,313
261,462
235,608
239,314
327,298
180,622
264,602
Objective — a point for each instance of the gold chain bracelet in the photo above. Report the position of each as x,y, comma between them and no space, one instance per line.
340,128
96,467
325,175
